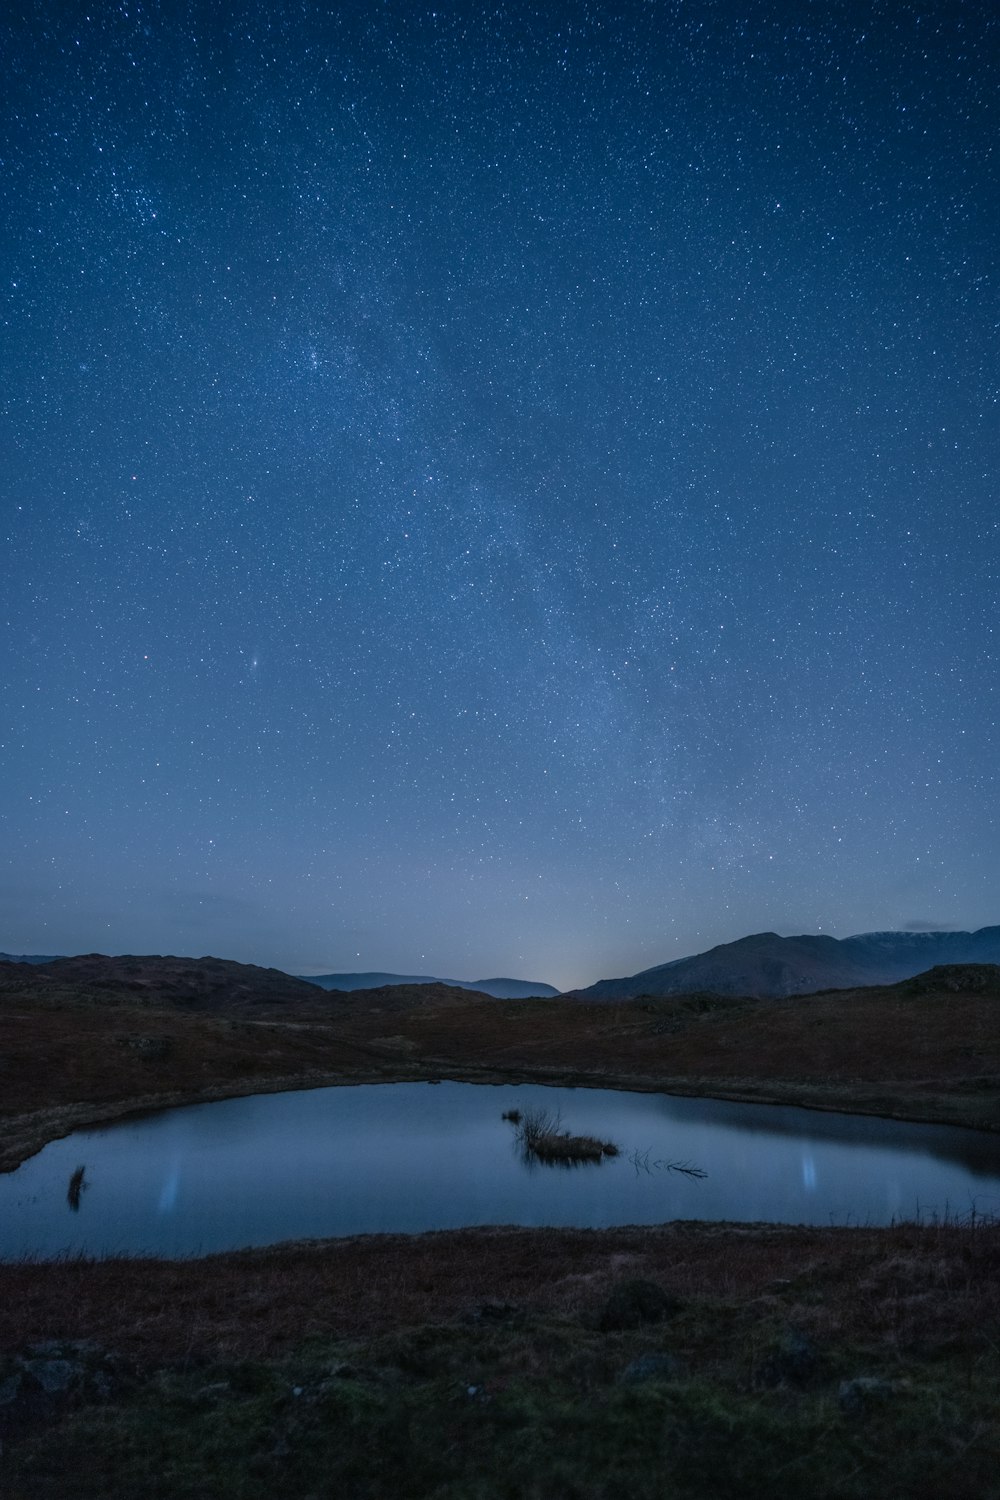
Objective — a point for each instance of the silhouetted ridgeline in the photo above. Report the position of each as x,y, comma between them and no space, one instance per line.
768,966
500,989
157,979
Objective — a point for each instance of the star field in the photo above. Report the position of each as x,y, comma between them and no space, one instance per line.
497,489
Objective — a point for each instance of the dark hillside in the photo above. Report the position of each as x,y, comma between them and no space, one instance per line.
209,983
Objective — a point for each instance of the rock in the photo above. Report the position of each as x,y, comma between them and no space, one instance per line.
651,1367
53,1369
793,1362
55,1348
54,1375
213,1392
857,1395
493,1312
147,1046
635,1302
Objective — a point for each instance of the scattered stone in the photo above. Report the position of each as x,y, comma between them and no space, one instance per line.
793,1362
493,1312
148,1046
857,1395
214,1391
635,1302
49,1348
397,1043
54,1370
54,1375
651,1367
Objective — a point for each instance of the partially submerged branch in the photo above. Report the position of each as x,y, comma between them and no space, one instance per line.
641,1161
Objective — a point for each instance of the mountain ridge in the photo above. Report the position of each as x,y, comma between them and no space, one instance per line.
500,988
767,966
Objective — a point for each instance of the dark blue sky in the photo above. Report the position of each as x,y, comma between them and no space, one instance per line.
498,488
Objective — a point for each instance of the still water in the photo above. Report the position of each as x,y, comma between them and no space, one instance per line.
414,1156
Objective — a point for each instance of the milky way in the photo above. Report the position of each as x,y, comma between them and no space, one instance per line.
498,489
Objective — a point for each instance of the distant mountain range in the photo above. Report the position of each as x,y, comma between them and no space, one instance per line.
767,965
500,989
763,965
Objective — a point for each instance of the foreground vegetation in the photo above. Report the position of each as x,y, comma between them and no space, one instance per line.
690,1361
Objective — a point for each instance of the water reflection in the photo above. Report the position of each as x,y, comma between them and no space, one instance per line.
171,1187
410,1157
642,1163
975,1149
76,1187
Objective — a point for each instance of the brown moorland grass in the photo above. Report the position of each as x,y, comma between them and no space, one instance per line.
686,1360
933,1286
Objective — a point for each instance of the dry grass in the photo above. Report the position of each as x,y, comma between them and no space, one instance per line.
928,1285
541,1138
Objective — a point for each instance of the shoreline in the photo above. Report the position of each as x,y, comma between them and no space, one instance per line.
25,1135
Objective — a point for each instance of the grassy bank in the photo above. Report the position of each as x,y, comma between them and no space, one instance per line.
690,1360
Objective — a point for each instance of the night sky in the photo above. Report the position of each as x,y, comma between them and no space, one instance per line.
497,488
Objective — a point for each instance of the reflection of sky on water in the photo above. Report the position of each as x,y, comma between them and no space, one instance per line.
171,1186
409,1157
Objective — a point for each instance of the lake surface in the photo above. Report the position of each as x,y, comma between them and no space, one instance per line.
415,1156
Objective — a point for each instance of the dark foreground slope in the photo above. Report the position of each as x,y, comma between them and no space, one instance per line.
687,1361
766,965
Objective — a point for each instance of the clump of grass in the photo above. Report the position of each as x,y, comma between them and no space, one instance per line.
542,1138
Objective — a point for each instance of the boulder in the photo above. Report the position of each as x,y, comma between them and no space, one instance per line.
635,1302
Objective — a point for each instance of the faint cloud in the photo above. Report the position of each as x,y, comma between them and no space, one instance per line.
924,924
